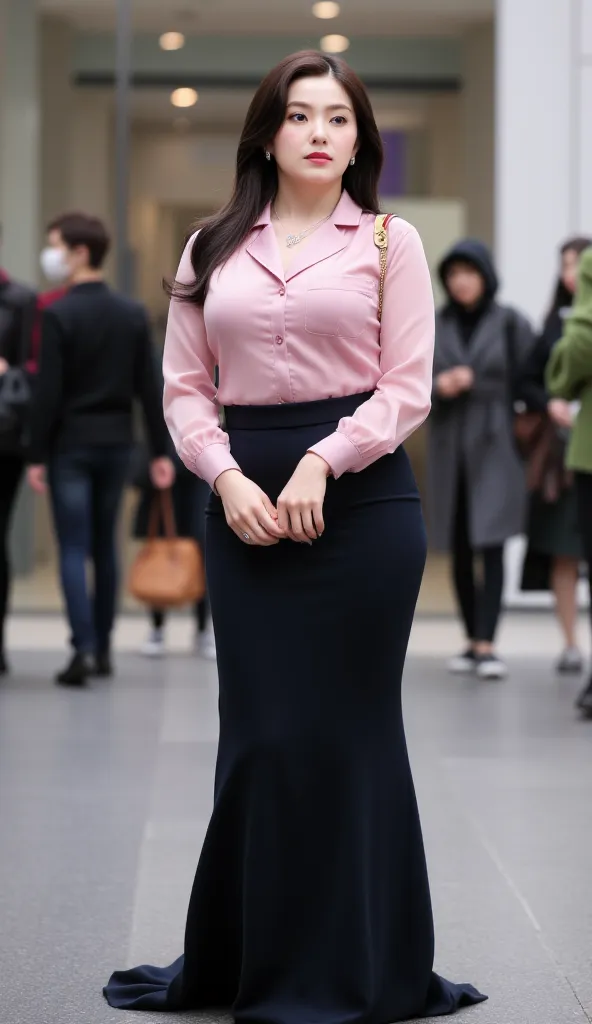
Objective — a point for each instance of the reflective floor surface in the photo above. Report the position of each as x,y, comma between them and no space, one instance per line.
105,796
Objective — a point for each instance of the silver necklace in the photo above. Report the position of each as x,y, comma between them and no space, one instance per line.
292,240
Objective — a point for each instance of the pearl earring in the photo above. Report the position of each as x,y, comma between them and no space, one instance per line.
267,155
352,161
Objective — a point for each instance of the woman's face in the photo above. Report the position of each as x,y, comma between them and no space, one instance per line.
319,135
570,261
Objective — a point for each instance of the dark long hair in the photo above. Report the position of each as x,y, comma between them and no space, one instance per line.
562,297
256,181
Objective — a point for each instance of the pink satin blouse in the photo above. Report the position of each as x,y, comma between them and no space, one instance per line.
309,334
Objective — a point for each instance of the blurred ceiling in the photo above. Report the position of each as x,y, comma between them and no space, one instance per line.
361,17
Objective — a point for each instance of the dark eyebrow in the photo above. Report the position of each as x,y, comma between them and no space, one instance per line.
307,106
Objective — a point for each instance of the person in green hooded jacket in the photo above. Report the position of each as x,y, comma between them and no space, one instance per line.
569,376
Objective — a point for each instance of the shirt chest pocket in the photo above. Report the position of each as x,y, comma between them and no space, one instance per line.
341,307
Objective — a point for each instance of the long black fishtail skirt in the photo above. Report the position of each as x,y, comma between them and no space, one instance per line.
311,902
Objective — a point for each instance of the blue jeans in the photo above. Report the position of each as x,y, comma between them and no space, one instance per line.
86,486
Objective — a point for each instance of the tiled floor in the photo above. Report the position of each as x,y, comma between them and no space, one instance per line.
105,795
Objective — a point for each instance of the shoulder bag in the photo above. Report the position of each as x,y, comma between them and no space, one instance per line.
381,241
168,571
15,387
528,427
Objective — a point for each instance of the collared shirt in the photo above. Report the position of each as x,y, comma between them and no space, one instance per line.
302,335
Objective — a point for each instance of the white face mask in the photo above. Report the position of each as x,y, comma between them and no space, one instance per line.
54,264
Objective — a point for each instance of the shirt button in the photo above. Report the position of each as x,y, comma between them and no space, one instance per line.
279,340
282,291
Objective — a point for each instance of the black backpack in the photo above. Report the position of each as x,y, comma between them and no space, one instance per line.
15,386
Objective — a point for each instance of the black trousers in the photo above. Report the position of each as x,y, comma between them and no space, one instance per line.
584,495
11,470
311,900
479,597
86,487
201,609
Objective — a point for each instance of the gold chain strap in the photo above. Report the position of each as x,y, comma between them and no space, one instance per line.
381,240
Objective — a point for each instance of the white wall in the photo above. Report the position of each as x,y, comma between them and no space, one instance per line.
543,139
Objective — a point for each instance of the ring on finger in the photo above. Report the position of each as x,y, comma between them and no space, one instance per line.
247,538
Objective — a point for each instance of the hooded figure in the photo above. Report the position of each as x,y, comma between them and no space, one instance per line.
476,478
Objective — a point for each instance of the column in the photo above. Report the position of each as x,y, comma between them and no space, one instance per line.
479,130
19,137
57,102
19,189
543,141
91,158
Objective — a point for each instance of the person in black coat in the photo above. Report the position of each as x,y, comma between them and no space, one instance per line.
477,483
17,318
97,357
554,542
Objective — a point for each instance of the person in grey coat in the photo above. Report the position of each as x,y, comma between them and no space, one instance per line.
477,481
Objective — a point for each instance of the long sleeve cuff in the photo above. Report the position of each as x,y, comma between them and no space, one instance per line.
339,452
214,459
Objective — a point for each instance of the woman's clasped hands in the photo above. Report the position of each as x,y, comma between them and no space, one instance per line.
299,513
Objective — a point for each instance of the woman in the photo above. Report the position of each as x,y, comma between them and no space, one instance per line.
569,377
553,533
190,495
17,318
477,479
311,901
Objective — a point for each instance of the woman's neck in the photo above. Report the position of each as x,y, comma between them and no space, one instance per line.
297,205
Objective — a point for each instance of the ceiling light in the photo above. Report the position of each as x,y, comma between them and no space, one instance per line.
326,9
172,41
184,97
334,44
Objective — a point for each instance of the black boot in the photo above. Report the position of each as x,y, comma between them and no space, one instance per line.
76,671
103,665
584,701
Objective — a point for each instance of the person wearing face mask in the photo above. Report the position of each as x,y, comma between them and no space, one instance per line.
477,479
17,314
96,357
55,275
554,540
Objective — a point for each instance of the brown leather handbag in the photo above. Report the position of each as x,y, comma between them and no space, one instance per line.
529,429
168,571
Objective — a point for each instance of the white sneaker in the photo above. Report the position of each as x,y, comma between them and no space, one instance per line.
570,662
154,646
463,664
489,666
205,644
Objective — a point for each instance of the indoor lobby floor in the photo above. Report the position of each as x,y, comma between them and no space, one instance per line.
106,793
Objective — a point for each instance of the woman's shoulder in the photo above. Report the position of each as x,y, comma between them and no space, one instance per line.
190,241
397,226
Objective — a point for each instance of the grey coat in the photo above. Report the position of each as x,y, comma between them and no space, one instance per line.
474,433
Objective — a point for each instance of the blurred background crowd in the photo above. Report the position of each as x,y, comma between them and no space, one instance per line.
118,128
